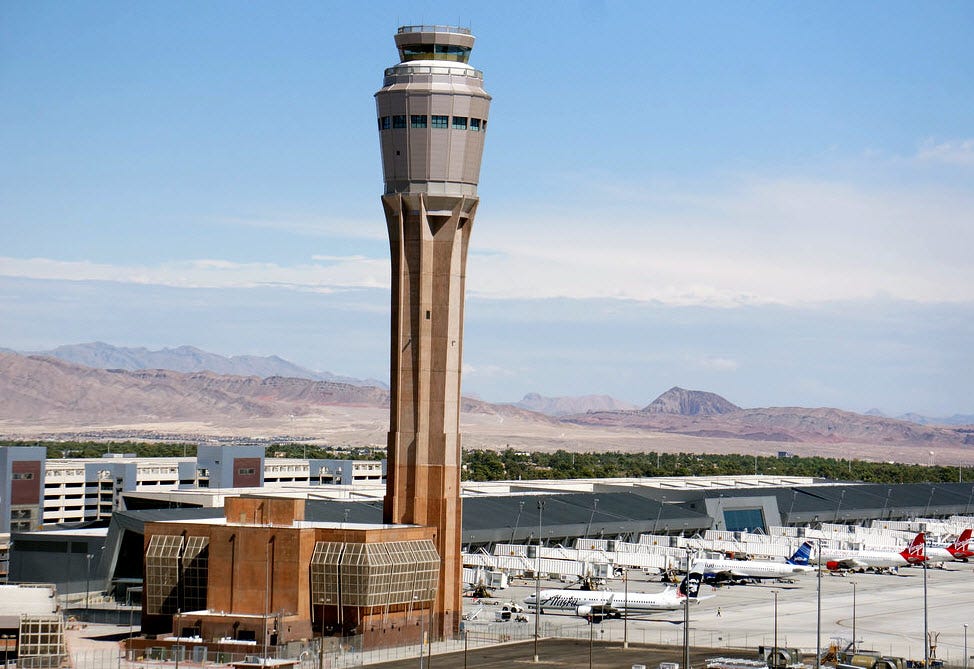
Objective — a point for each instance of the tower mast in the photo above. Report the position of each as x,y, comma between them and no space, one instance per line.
432,118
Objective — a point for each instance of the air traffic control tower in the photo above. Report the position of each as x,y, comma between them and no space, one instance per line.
432,115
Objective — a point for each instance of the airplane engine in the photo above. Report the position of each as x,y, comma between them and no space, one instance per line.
832,565
583,611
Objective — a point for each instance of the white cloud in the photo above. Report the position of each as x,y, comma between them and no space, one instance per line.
345,273
715,364
763,241
752,241
956,152
489,371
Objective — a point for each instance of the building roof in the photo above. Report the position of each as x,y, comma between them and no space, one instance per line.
28,600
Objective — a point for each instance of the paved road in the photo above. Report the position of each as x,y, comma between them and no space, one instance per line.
556,653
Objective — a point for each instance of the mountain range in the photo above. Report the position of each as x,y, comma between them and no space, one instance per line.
190,359
38,391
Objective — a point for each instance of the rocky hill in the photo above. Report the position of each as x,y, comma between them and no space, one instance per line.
690,403
564,406
702,414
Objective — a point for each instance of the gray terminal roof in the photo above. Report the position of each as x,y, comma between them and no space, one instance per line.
492,519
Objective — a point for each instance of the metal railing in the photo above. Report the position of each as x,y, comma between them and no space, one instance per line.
408,69
434,29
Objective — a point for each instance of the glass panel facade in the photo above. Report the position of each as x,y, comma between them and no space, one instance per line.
459,122
40,642
440,121
458,54
324,572
162,573
475,124
379,574
418,121
738,520
399,121
195,564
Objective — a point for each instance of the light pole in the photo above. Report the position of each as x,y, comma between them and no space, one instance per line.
429,636
517,519
537,582
686,617
854,642
625,618
818,609
175,648
422,638
595,506
774,648
591,637
966,657
926,643
87,581
659,513
7,637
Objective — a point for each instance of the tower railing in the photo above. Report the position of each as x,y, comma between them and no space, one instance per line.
409,68
434,29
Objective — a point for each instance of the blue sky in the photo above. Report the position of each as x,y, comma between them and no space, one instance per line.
772,201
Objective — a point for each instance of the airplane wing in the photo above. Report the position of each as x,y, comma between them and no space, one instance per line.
724,575
597,609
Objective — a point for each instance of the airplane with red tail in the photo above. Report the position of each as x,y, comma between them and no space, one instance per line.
837,560
962,548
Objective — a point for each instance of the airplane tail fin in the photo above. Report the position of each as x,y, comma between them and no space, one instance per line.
690,586
962,544
802,555
916,552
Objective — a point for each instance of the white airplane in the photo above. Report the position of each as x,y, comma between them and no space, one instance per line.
718,571
915,553
614,604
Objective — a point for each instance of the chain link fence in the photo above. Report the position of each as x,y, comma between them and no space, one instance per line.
335,653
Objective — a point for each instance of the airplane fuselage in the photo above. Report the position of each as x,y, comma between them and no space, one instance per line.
741,569
621,602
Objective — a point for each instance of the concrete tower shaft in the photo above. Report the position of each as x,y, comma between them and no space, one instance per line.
432,117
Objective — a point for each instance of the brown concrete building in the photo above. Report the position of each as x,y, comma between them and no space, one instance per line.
432,118
262,577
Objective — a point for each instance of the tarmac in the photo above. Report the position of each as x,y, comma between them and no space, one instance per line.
733,620
888,613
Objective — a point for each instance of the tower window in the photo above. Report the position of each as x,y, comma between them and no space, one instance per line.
399,121
483,125
385,123
417,121
440,121
475,124
459,122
